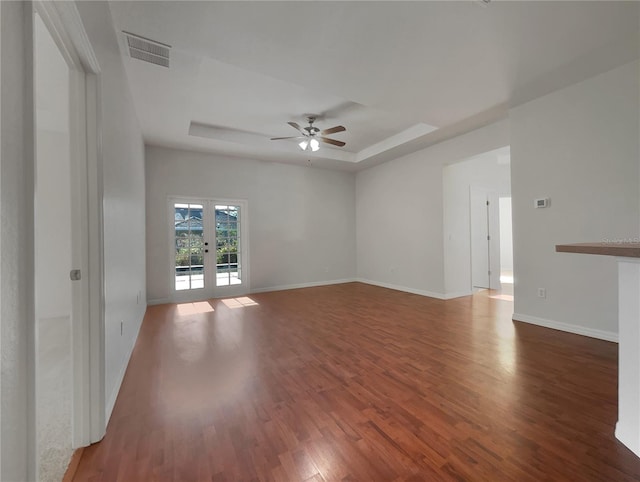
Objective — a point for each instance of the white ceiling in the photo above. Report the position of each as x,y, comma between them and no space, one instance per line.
398,75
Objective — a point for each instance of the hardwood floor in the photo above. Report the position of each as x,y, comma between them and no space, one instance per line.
356,382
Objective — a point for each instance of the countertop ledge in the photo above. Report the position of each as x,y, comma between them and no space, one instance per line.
621,249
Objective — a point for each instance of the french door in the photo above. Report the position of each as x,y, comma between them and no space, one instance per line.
209,248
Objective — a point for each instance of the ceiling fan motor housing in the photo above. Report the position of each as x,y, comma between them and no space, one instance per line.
314,134
311,129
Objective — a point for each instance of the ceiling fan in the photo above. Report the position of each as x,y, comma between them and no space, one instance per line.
312,136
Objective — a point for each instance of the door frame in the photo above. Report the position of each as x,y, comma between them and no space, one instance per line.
208,203
64,23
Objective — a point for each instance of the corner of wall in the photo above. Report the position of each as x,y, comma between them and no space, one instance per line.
567,327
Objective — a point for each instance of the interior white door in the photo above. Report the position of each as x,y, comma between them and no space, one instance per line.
485,238
479,216
57,139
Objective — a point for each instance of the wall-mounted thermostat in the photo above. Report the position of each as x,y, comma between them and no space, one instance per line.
541,203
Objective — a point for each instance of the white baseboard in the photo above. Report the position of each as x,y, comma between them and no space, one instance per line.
162,301
111,401
406,289
430,294
460,294
303,285
159,301
626,434
575,329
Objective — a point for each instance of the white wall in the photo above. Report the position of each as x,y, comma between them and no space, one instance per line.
123,203
579,147
301,219
489,170
399,224
16,224
399,213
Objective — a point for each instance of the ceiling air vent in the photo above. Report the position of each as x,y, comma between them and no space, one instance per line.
147,50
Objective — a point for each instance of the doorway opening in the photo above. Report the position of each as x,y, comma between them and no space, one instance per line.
477,224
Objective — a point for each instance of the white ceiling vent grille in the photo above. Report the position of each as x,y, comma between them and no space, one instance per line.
147,50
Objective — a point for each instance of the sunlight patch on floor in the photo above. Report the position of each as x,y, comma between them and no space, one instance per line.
241,302
186,309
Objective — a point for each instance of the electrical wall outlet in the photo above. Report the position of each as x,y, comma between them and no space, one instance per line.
542,292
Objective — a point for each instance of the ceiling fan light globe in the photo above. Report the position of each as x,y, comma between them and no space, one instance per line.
303,145
314,144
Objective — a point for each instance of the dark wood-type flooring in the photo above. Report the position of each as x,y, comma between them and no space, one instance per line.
355,382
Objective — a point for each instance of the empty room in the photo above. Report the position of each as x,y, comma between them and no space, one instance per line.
320,241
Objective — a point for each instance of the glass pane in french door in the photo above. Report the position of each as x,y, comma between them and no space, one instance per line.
189,244
228,262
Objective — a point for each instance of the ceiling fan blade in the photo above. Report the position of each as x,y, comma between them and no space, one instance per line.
281,138
296,126
326,140
333,130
